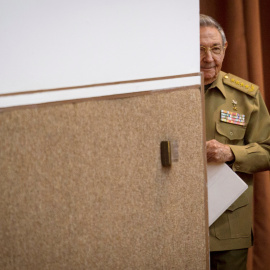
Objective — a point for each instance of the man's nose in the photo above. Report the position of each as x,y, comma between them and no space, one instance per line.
208,56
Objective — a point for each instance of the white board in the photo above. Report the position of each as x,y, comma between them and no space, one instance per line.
48,44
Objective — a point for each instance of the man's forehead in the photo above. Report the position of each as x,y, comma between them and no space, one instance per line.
210,35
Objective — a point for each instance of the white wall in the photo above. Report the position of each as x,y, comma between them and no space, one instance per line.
48,44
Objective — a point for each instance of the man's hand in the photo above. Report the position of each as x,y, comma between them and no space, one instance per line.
218,152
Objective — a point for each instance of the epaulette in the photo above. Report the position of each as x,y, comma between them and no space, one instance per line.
240,84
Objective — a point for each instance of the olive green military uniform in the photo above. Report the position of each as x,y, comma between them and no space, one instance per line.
236,115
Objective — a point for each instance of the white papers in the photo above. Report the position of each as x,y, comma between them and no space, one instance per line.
224,187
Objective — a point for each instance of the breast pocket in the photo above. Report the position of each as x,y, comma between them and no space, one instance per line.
226,133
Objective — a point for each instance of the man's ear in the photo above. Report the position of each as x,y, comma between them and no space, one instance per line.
225,46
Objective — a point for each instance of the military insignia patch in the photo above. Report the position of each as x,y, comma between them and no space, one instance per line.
232,118
234,103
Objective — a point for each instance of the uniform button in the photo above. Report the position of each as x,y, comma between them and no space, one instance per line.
231,133
237,167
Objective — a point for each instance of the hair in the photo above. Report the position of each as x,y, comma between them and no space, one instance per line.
209,21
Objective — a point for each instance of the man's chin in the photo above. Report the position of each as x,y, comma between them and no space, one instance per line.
208,73
209,77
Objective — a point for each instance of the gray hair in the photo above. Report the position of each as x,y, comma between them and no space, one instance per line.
209,21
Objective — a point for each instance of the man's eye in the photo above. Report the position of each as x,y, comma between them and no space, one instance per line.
216,50
202,49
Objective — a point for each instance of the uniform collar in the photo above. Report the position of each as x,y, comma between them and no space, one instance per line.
218,83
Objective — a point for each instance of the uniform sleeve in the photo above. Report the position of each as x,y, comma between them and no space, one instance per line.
254,156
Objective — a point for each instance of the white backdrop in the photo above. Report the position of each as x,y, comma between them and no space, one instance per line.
49,44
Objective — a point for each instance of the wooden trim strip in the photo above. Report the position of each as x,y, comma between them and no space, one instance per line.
101,84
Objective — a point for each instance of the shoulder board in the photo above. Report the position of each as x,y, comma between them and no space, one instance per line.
240,84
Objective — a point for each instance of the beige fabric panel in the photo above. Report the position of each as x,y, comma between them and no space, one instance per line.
82,185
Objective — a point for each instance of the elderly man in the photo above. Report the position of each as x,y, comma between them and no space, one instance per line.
238,133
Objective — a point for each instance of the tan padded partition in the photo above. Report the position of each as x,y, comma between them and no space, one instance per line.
82,185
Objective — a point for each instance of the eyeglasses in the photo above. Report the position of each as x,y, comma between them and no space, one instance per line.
215,50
